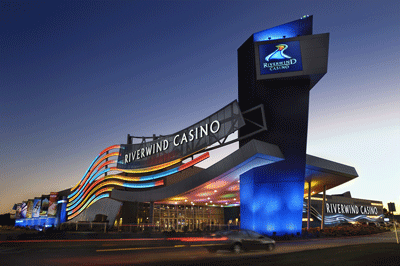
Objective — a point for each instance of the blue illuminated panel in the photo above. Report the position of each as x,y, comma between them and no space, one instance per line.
280,57
292,29
270,204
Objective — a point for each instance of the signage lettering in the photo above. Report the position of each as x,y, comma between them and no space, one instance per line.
350,209
280,58
183,143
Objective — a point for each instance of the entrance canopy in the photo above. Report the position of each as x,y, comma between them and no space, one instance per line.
219,184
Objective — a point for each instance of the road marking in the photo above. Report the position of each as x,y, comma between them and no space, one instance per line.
127,249
203,245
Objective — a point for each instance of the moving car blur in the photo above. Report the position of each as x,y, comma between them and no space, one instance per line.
241,240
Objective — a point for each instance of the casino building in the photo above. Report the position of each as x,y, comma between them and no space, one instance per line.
268,185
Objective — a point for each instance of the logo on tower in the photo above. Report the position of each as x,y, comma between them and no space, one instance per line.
280,58
278,53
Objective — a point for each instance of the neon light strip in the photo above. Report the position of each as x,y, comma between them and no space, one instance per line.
101,160
86,191
75,207
110,148
94,167
144,185
77,204
194,161
92,200
89,181
124,178
155,176
102,152
80,198
148,169
159,175
84,174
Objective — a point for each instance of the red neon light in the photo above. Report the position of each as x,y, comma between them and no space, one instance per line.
194,161
159,183
94,167
110,148
197,239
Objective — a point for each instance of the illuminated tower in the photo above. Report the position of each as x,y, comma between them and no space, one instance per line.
278,67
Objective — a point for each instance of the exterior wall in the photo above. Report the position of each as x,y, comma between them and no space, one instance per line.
340,209
106,206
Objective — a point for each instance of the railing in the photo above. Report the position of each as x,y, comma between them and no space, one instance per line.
134,228
86,226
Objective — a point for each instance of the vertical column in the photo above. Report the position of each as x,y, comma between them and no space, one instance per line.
151,214
168,219
105,174
308,204
323,209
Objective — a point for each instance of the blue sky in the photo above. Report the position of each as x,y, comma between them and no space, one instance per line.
78,76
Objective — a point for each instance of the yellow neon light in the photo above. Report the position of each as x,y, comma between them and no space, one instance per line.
121,177
150,169
94,190
94,166
156,167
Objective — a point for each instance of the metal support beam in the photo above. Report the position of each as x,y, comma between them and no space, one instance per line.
309,204
323,209
151,213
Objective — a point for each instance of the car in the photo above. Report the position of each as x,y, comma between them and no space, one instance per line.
241,240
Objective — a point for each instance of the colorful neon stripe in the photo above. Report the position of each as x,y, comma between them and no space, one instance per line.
145,185
194,161
92,187
98,156
90,192
76,198
72,189
149,169
80,191
92,172
91,201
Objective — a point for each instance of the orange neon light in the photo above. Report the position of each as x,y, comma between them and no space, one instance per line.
94,190
194,161
110,148
148,169
80,183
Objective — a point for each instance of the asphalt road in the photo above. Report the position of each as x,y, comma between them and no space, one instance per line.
151,252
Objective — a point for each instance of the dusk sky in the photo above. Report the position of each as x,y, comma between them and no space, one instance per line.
78,76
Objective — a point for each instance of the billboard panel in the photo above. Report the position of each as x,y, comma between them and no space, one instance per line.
23,210
18,211
45,205
29,207
280,57
52,210
36,207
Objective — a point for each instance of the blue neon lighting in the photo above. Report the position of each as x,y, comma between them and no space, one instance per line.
143,185
87,171
92,200
90,180
289,30
159,175
270,203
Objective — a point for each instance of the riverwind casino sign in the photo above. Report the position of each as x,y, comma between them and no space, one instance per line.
184,143
280,57
336,208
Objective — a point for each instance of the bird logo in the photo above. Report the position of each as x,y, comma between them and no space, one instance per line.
278,53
